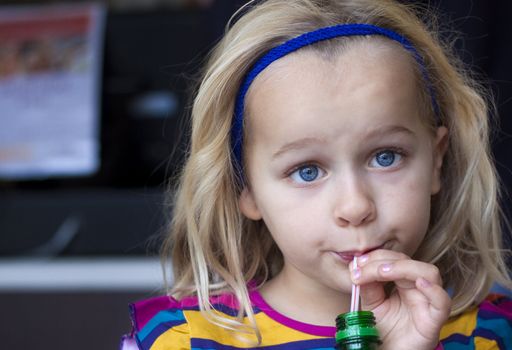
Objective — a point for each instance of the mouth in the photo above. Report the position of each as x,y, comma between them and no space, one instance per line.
348,256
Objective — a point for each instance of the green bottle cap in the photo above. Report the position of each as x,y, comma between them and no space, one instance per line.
356,331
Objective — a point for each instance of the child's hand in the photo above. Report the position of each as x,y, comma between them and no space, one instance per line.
412,316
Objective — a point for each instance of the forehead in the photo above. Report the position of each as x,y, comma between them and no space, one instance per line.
369,76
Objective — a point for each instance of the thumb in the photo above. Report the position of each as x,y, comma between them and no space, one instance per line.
372,295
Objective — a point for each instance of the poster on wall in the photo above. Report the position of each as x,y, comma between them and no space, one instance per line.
50,71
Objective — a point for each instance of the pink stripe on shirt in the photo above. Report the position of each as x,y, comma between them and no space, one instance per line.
323,331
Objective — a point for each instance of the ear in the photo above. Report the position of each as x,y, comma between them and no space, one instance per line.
248,205
440,146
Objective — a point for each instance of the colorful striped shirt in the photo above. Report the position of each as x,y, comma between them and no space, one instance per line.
164,323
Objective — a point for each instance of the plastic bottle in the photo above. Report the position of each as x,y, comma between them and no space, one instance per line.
356,331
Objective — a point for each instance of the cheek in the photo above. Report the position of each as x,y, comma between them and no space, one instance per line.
296,222
292,220
411,213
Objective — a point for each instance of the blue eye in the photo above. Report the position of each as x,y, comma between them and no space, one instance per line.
306,173
385,159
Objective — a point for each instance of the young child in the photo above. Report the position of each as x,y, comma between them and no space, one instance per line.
324,130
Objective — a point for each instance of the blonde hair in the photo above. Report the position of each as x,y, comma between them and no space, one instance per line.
214,249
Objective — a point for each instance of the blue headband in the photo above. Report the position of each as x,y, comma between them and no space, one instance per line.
305,40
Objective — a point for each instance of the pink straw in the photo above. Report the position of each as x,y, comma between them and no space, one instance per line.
354,300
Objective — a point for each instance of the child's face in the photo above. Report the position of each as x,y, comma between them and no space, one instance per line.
339,162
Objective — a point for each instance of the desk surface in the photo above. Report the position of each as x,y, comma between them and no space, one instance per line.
80,274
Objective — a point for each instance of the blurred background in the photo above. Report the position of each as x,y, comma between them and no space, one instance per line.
93,105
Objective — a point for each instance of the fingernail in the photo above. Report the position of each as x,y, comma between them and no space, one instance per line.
357,273
424,283
362,259
385,267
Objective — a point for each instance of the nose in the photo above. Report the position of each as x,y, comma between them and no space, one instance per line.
354,203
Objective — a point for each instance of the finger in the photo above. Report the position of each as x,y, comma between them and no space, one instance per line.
372,296
381,254
403,272
438,298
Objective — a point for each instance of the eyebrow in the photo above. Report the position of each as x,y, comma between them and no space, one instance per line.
298,144
309,141
391,129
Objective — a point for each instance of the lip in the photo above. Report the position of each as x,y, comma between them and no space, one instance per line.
348,256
